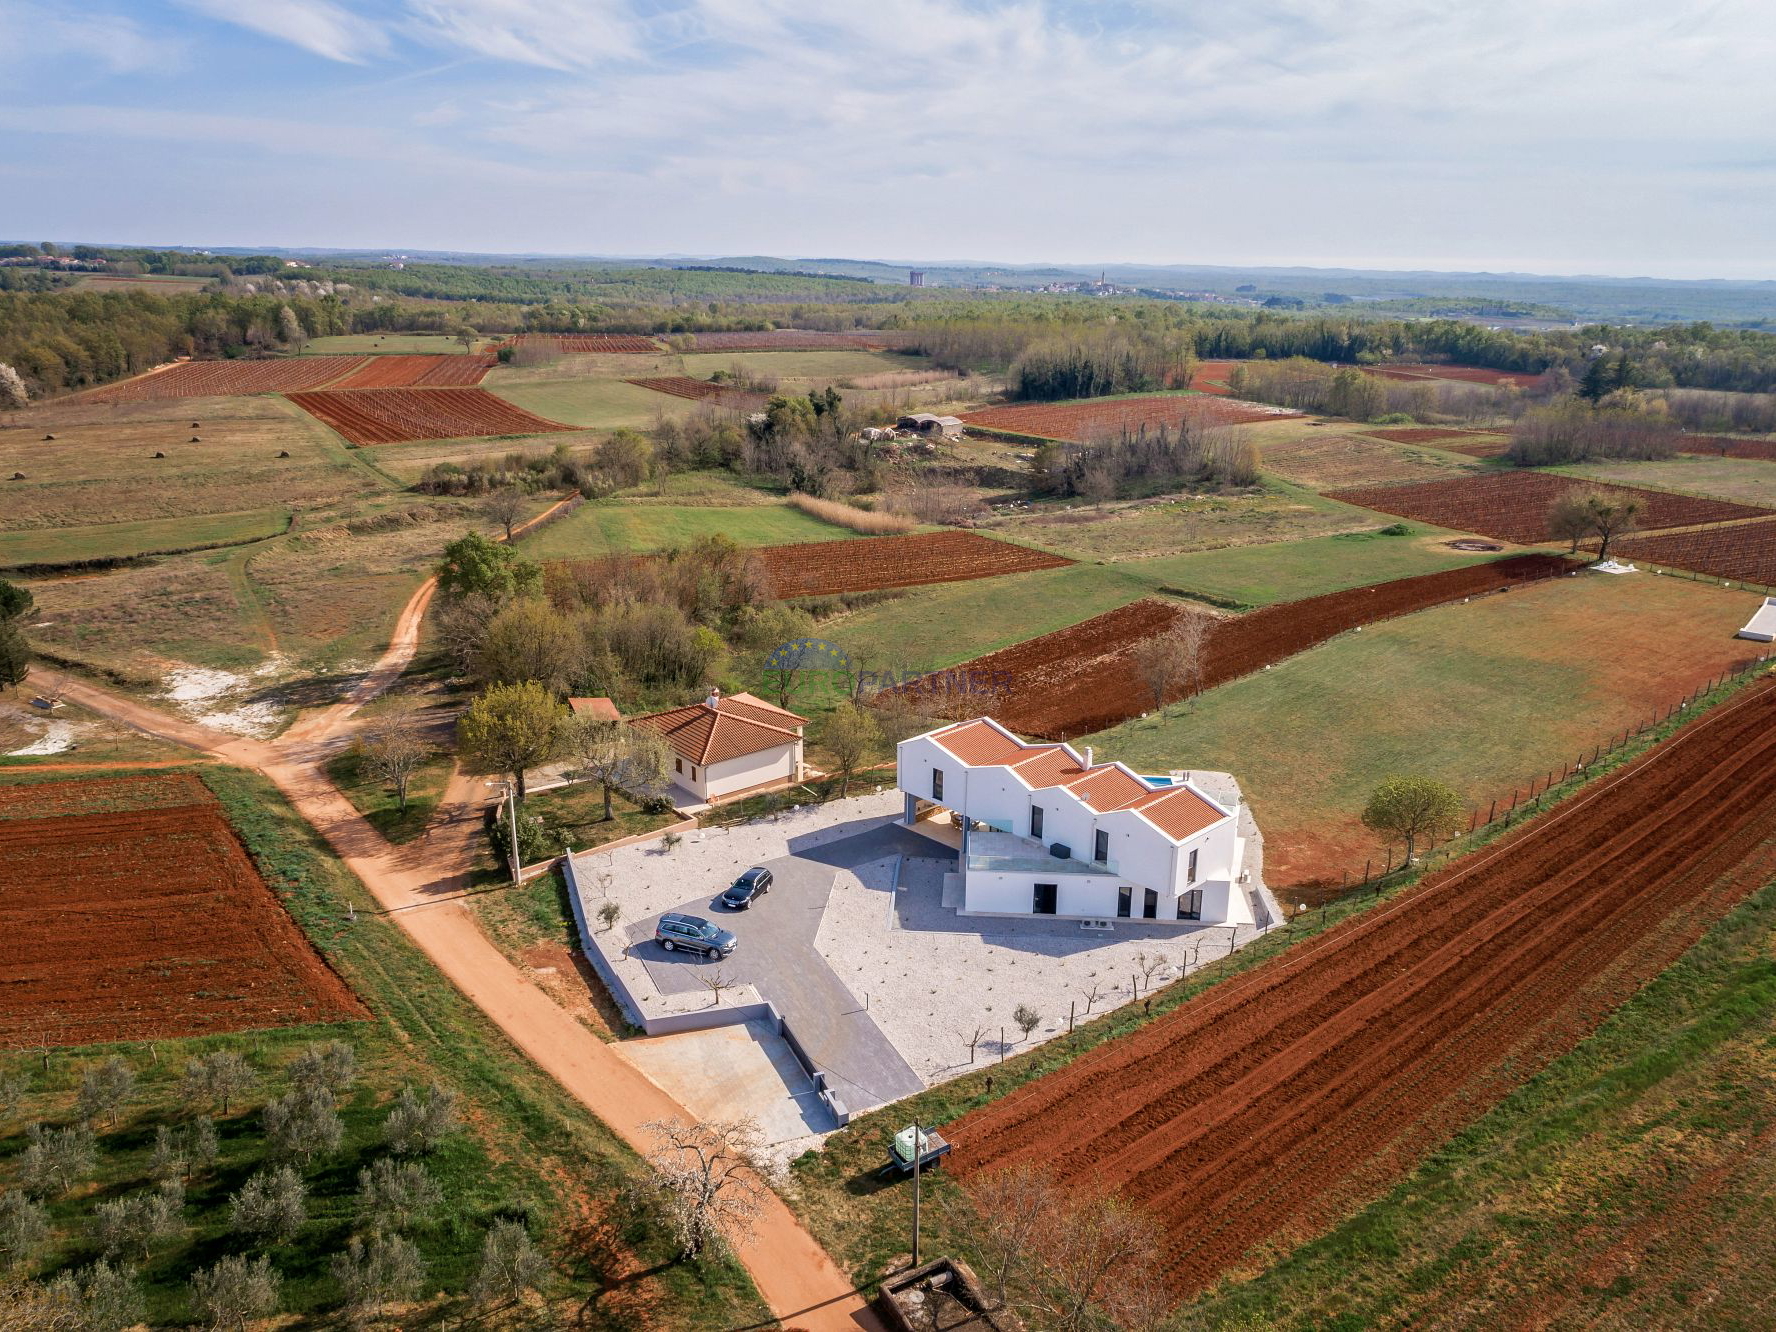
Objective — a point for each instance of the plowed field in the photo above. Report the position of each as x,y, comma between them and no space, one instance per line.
1466,374
393,416
1418,434
797,339
1108,417
1513,506
701,390
1084,678
1211,377
228,379
1274,1102
418,372
130,912
1727,446
1744,551
824,568
585,344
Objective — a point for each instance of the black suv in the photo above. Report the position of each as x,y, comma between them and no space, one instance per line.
756,882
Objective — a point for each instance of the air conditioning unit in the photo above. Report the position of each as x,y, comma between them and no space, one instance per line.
1096,925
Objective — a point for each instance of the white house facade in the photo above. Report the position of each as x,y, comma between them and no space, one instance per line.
723,746
1046,831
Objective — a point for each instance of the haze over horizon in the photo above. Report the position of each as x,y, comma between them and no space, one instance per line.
1509,137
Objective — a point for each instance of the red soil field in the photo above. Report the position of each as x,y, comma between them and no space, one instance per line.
225,379
1084,678
1467,374
824,568
583,344
1743,551
701,390
131,912
1211,377
1728,446
797,339
1513,506
1417,434
418,372
393,416
1096,418
1276,1102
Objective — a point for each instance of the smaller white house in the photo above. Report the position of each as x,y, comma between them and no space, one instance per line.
1047,831
723,746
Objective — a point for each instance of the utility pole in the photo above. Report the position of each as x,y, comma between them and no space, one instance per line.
918,1159
512,833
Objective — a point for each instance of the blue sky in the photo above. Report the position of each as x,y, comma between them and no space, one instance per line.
1619,136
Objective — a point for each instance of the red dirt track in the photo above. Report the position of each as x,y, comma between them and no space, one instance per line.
223,379
825,568
395,415
418,372
1084,678
132,912
1513,506
1275,1102
1093,418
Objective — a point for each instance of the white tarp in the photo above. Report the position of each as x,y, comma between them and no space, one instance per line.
1762,626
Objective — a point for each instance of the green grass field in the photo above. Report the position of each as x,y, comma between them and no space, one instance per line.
1292,570
1484,696
609,527
166,284
360,344
1746,480
378,803
528,1152
66,545
838,363
602,404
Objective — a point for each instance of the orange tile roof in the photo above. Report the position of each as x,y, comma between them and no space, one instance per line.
704,734
754,708
1177,811
978,743
1107,786
601,708
1047,766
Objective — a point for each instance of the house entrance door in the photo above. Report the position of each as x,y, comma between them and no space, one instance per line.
1044,901
1150,905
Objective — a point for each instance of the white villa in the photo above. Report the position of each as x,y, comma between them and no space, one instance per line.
1046,831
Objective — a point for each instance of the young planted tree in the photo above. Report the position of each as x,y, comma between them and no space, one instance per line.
1413,808
1027,1019
371,1276
332,1065
396,1195
708,1177
618,757
103,1088
510,1266
303,1124
421,1121
235,1292
271,1206
853,738
393,748
511,729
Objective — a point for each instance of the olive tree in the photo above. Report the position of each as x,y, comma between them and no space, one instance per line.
236,1291
271,1206
1412,808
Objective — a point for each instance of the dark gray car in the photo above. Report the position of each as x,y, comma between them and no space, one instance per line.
756,882
692,934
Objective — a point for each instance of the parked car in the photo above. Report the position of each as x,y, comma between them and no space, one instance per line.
756,882
694,935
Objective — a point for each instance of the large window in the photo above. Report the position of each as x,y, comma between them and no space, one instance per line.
1190,904
1124,899
937,783
1036,822
1190,869
1100,846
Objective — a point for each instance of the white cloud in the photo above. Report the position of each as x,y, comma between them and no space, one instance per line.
317,26
31,32
554,34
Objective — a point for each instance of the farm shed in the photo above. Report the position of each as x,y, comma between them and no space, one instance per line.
1761,628
928,423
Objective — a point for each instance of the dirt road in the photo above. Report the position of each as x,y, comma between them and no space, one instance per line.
1269,1105
420,886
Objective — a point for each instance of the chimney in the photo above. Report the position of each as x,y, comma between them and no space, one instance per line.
714,699
1088,758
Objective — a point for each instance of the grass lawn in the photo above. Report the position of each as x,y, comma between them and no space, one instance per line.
574,816
1292,570
528,1151
66,545
821,366
362,344
1627,1185
606,527
1484,696
603,404
1746,480
377,803
1274,511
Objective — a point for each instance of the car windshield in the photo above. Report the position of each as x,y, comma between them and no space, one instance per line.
702,929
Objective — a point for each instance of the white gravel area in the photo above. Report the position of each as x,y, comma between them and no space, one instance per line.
928,976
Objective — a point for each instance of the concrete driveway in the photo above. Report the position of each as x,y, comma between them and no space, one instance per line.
777,955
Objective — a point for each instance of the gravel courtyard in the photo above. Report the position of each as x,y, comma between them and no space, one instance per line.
883,984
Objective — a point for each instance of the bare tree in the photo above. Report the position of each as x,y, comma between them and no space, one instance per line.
1171,663
1011,1206
709,1177
393,748
1151,965
506,507
973,1039
1093,994
1097,1245
715,982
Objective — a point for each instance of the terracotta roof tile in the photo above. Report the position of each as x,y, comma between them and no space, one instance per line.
601,708
1107,786
753,708
1043,766
978,743
704,735
1177,811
